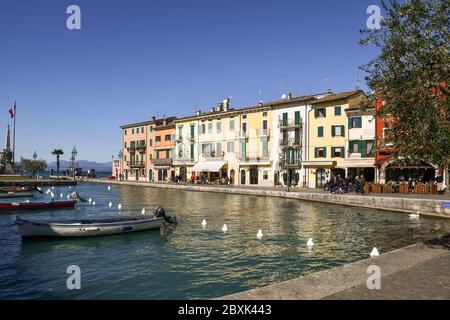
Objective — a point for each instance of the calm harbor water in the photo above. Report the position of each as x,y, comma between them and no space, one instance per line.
190,262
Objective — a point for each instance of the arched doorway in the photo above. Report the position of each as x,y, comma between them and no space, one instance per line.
242,177
232,174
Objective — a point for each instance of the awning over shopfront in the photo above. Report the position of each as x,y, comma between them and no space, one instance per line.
208,166
319,163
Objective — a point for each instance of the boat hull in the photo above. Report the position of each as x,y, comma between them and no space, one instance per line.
6,207
97,228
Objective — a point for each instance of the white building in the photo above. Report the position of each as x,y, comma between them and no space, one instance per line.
289,150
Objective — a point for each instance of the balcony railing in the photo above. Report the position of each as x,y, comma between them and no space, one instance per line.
162,162
263,132
361,155
241,134
295,143
253,157
136,164
213,155
289,123
185,138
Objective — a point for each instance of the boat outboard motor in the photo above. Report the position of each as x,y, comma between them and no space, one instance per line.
161,213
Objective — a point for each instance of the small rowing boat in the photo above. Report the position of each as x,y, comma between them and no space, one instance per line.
31,205
88,227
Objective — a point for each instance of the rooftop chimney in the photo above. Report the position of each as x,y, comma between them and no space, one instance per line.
164,122
219,107
153,118
199,112
212,109
226,104
289,95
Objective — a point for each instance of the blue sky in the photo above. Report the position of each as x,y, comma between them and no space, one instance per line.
135,59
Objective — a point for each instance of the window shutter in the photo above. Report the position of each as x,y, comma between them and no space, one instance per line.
361,146
324,112
333,152
343,131
315,152
325,152
297,117
333,132
350,123
316,113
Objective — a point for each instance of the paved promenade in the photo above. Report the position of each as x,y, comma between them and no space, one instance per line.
429,205
416,272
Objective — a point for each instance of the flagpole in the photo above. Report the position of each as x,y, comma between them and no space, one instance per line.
14,134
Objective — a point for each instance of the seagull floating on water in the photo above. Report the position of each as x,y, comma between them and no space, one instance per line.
374,252
310,243
143,211
52,194
61,195
93,203
90,200
110,204
119,207
204,223
224,228
415,215
259,235
109,188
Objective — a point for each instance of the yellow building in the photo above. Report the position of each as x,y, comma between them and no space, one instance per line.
327,136
254,153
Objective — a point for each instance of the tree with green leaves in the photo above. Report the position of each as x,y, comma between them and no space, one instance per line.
411,75
57,153
34,166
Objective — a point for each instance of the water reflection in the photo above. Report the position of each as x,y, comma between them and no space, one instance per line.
191,261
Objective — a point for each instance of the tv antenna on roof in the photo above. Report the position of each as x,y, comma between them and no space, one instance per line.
283,87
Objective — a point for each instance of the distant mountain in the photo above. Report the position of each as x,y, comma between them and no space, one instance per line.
84,164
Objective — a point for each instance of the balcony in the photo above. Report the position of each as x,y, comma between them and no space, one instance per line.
291,163
137,164
263,132
180,161
184,139
253,158
213,155
241,134
289,124
162,162
293,143
141,149
131,149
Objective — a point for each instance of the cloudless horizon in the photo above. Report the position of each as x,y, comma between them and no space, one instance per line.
136,59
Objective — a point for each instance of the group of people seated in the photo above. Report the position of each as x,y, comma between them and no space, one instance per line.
345,185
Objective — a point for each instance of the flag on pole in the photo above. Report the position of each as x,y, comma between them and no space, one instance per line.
12,111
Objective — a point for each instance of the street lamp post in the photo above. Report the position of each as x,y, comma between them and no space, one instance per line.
74,154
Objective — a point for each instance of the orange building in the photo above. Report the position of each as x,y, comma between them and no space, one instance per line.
162,145
139,159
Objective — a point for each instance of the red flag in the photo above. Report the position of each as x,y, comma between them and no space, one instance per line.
11,112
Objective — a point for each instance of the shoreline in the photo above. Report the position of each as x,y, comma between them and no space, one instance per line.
432,208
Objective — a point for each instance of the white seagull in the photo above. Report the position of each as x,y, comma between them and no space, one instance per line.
204,223
310,243
119,206
225,228
143,211
93,203
259,235
110,204
109,188
374,252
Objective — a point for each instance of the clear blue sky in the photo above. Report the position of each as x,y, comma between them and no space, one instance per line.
132,57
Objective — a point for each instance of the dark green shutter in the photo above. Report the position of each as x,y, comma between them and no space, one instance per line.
297,117
332,131
324,112
332,152
325,152
343,130
350,123
315,152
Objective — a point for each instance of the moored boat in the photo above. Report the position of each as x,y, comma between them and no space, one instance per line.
87,227
31,205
